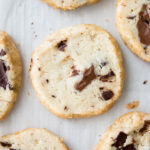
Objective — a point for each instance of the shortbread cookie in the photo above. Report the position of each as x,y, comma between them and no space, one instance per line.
133,23
10,74
32,139
77,72
129,132
69,4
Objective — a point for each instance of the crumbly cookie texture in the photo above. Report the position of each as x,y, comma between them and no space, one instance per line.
133,19
10,74
130,132
32,139
69,4
77,72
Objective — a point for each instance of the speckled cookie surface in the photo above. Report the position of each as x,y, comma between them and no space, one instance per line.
133,19
77,72
130,132
68,4
32,139
10,74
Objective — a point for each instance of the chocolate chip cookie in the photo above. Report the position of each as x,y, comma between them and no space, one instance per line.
10,74
130,132
32,139
78,72
68,4
133,23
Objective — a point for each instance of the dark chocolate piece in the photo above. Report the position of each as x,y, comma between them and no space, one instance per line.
3,76
120,140
75,73
129,147
131,17
143,26
5,144
144,128
88,76
107,77
62,45
107,95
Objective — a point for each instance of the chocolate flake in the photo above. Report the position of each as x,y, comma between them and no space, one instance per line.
3,76
144,128
62,45
66,108
103,64
107,77
143,26
129,147
2,53
120,140
47,80
5,144
107,95
88,76
101,88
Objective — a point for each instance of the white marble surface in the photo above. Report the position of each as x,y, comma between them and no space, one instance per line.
16,17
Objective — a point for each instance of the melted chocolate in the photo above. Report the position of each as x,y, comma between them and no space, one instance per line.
120,140
143,26
88,76
3,76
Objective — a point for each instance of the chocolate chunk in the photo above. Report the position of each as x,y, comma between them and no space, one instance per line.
107,95
144,128
143,26
107,77
62,45
75,73
88,76
3,76
131,17
101,88
2,53
5,144
129,147
47,80
120,140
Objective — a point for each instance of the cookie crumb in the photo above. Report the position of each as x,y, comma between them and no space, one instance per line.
132,105
145,82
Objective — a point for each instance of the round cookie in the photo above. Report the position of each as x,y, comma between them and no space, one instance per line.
130,132
69,4
133,19
32,139
10,74
77,72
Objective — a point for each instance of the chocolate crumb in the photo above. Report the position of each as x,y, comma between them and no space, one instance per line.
39,69
107,95
62,45
47,80
101,88
53,96
66,108
145,82
107,77
75,73
103,64
129,147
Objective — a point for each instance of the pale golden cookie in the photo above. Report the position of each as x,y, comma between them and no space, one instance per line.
32,139
77,72
130,132
133,24
10,74
69,4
